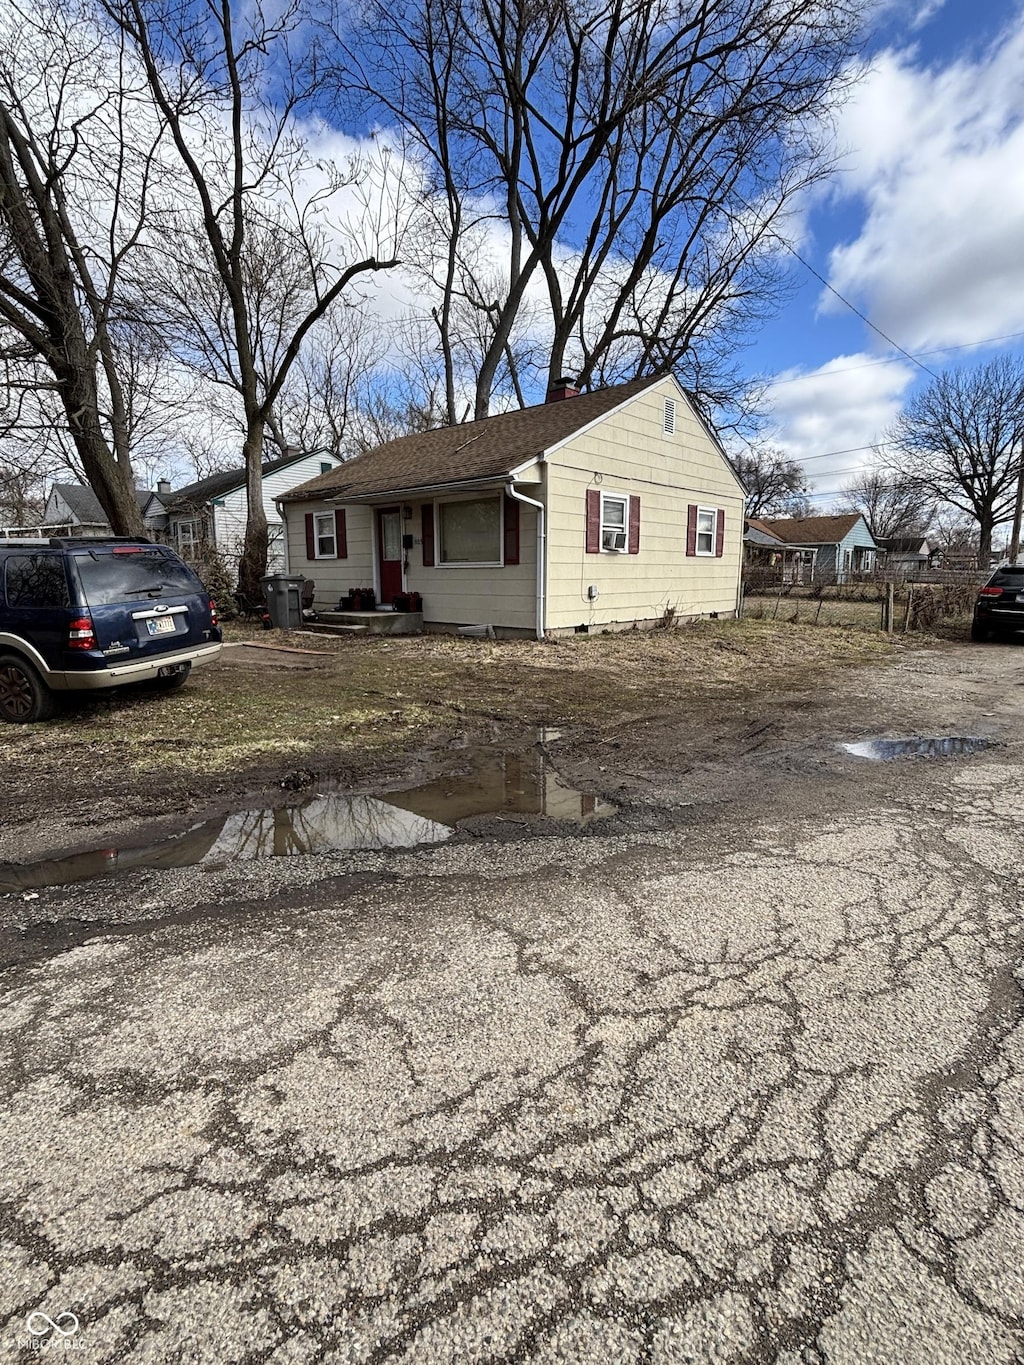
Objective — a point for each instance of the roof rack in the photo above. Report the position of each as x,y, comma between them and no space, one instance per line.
74,542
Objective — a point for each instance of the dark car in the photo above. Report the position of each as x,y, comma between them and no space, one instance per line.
77,615
1000,605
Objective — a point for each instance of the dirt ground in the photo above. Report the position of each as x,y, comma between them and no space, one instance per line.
662,724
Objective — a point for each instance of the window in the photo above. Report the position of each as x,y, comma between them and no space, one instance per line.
110,576
275,549
324,534
190,535
614,521
706,519
470,532
37,581
670,416
325,467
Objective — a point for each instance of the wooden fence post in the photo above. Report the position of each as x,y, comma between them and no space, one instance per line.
890,605
910,608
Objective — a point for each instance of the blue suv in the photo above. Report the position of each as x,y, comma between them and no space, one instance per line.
77,614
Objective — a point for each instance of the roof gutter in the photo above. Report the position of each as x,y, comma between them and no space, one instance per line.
510,489
394,494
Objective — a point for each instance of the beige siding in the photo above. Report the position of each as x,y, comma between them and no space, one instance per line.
630,453
504,597
333,577
501,597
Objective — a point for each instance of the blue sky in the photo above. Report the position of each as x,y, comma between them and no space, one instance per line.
922,229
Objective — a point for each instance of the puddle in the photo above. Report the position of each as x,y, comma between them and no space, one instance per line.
495,783
941,746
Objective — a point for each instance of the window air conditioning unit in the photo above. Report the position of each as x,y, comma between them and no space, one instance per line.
614,540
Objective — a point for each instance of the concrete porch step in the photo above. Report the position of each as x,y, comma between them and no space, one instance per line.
321,628
372,622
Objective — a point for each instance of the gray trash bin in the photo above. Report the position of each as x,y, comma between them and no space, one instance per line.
283,593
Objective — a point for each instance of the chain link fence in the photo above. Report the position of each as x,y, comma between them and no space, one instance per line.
896,606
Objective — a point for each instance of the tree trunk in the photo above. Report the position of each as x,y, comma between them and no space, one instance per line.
253,563
985,528
109,478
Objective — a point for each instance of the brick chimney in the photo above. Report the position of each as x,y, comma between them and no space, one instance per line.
561,388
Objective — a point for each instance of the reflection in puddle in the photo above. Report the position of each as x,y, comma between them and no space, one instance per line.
495,783
916,747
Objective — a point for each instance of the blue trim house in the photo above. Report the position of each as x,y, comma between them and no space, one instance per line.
842,546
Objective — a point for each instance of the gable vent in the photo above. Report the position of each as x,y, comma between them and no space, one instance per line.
670,416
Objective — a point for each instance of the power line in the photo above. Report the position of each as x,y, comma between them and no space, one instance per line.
885,337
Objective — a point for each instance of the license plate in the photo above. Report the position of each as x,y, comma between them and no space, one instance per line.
160,625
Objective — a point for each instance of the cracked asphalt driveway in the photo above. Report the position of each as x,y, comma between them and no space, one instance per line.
749,1090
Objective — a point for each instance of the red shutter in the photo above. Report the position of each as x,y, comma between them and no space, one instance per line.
310,537
634,524
340,533
511,530
691,529
593,521
428,535
720,533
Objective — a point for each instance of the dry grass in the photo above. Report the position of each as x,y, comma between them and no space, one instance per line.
374,696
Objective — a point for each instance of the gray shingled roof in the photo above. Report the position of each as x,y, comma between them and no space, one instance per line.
85,505
488,449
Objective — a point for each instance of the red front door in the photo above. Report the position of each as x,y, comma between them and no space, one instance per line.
389,552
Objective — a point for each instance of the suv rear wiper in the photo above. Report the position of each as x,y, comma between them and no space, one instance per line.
153,591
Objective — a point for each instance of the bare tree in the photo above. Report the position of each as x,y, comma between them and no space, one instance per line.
75,191
775,484
330,383
961,442
890,503
232,86
633,162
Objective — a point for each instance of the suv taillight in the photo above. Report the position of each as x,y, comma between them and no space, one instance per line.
81,634
991,592
213,612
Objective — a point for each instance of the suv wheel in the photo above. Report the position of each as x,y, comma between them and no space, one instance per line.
24,697
979,633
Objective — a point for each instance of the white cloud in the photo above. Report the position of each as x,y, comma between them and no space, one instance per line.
935,161
842,406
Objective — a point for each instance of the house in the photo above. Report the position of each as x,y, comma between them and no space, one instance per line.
842,546
768,559
73,508
590,510
212,512
904,556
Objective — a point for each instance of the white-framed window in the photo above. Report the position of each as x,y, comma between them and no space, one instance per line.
275,548
325,467
670,416
469,532
190,537
325,540
614,522
707,525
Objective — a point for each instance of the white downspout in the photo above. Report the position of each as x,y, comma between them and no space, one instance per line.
510,489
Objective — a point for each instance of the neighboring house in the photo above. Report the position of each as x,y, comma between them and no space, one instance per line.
212,512
590,510
74,509
767,557
842,546
904,556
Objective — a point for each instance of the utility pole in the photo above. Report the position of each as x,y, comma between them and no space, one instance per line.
1018,507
